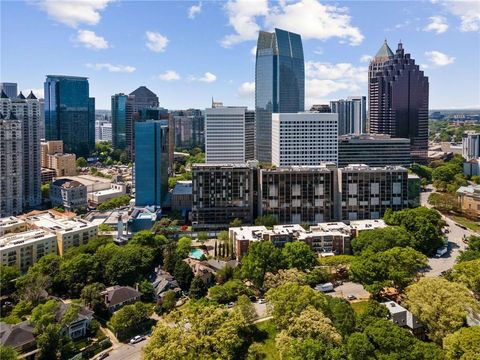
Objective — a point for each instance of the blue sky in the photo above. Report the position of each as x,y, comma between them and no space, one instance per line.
187,52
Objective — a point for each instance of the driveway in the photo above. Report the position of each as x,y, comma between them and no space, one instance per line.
348,288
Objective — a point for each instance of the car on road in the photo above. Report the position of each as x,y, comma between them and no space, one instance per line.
442,251
137,339
351,297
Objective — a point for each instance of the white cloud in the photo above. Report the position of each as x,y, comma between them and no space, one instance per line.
169,75
467,11
438,58
366,58
112,68
247,90
318,51
73,12
253,51
208,77
437,24
194,10
156,41
37,92
90,40
309,18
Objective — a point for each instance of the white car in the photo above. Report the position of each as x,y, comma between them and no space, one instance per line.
137,339
262,301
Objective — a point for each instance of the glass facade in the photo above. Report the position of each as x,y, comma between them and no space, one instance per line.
279,83
70,113
151,165
121,114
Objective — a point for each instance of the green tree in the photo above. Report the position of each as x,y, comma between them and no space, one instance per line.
8,274
81,162
236,222
359,347
147,290
183,274
53,345
246,308
342,315
129,317
476,179
45,189
198,289
440,305
184,246
377,240
473,251
317,276
463,344
229,291
33,287
373,311
266,220
262,257
77,272
468,273
8,353
443,202
44,315
92,298
114,203
129,264
422,171
168,301
299,255
283,277
202,236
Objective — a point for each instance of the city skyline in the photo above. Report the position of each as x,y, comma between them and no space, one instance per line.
218,60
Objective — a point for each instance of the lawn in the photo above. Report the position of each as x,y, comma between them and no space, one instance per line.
265,336
359,306
471,224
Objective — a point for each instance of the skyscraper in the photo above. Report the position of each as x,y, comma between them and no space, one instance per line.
352,115
122,112
10,89
70,113
398,99
279,84
27,111
151,164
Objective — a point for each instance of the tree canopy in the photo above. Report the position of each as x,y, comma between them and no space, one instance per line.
262,257
298,255
381,239
463,344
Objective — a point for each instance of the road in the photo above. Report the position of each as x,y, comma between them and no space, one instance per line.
447,261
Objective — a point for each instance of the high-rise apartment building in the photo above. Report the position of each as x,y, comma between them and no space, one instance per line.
152,162
373,150
298,194
279,84
398,99
222,193
352,115
10,89
27,110
11,166
103,130
189,128
366,192
471,145
229,135
70,113
304,139
122,112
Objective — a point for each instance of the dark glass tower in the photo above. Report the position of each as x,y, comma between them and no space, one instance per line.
70,113
279,84
398,99
122,111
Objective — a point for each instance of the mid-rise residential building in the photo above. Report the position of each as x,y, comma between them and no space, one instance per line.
11,224
469,200
222,193
27,111
398,99
229,134
352,115
68,194
10,89
471,145
11,167
189,128
304,139
53,158
25,248
70,113
366,192
103,130
152,162
50,148
373,150
122,112
279,84
298,194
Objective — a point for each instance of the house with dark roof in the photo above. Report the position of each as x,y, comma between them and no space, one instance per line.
18,336
79,326
117,296
163,282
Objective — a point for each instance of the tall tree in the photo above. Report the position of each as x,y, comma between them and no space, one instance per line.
382,239
299,255
8,274
262,257
198,289
183,274
463,344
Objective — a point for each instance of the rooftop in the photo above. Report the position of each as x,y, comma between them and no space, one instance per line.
470,190
384,51
248,232
367,224
26,237
67,183
393,307
363,167
58,225
183,188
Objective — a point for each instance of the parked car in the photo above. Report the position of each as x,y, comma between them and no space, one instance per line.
230,304
262,301
137,339
327,287
442,251
351,297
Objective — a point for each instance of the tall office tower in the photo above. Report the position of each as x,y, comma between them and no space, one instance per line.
27,110
122,112
151,165
228,133
10,89
304,139
366,192
398,99
222,193
11,165
279,84
373,150
352,115
70,113
298,194
189,128
471,145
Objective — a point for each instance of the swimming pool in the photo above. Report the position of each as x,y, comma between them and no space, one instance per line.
196,254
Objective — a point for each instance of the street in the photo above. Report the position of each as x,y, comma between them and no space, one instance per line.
123,351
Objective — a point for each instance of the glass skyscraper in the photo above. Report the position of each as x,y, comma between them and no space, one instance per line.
151,164
122,111
279,84
70,113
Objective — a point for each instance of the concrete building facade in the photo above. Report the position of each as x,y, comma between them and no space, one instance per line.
68,194
471,145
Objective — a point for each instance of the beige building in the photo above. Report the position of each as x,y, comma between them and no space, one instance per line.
50,148
53,158
98,197
469,200
12,224
24,249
